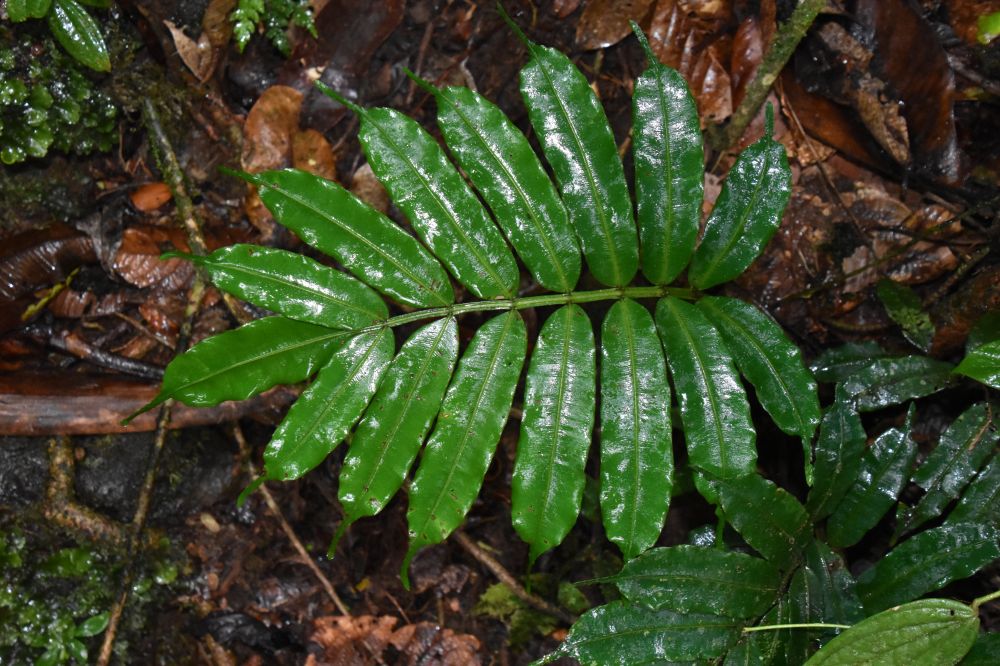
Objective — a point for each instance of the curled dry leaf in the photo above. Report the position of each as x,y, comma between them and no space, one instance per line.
358,640
312,152
198,55
606,22
269,129
138,258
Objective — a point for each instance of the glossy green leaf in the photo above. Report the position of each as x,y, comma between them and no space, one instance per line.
624,635
839,448
837,364
559,403
931,631
669,168
367,243
985,650
986,329
746,214
926,562
93,625
22,10
767,517
578,144
885,469
962,450
470,423
905,308
693,579
78,33
893,381
503,167
980,503
714,408
983,364
442,209
763,647
241,363
322,416
769,360
637,460
833,591
292,285
387,440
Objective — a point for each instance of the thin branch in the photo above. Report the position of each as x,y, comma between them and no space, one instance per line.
507,579
286,528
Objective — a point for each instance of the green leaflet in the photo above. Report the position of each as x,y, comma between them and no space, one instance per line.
839,363
559,397
984,651
926,562
905,308
839,448
241,363
504,168
324,413
78,33
580,148
980,503
885,468
693,579
769,360
931,631
763,647
389,436
767,517
468,428
962,450
986,329
746,214
636,448
669,171
983,364
622,634
22,10
892,381
442,209
714,408
292,285
367,243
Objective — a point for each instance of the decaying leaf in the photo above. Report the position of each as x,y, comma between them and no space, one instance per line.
606,22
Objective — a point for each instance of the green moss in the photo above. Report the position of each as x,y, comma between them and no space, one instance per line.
48,101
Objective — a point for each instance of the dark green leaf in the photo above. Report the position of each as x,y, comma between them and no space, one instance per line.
389,436
984,651
892,381
714,408
669,169
324,413
767,517
962,450
690,579
986,329
769,360
78,33
928,561
292,285
839,448
837,364
22,10
905,308
559,397
238,364
622,634
980,503
931,631
504,168
442,209
468,428
578,144
763,647
76,650
832,589
637,460
367,243
885,468
746,214
983,364
93,625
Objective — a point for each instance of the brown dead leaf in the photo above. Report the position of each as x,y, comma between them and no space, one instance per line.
138,258
149,197
215,23
748,51
606,22
563,8
366,186
199,56
313,153
425,643
350,641
269,128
